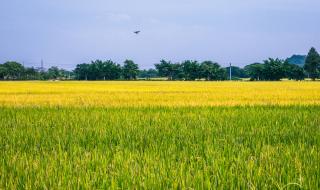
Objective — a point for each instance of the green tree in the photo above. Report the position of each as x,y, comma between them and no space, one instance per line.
96,70
150,73
14,70
130,70
191,70
255,71
111,70
211,71
165,69
31,74
171,70
312,65
273,69
82,71
3,72
293,71
54,73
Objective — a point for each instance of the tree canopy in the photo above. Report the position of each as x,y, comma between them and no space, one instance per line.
130,70
312,65
189,70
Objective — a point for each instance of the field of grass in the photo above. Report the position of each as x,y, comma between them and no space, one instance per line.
159,135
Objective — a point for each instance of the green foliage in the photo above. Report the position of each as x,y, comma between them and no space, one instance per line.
31,74
237,72
312,65
273,69
98,70
13,70
54,73
255,71
212,71
150,73
82,71
160,148
3,72
130,70
293,71
191,70
171,70
270,70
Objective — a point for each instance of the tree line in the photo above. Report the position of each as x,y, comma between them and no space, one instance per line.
12,70
106,70
269,70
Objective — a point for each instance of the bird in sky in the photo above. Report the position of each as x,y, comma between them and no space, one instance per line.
137,32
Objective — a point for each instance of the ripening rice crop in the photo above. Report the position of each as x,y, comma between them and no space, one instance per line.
173,94
159,135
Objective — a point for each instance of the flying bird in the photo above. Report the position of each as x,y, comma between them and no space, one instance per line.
137,32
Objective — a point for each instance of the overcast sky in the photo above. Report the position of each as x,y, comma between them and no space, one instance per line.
68,32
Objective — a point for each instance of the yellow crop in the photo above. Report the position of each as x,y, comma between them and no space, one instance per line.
136,94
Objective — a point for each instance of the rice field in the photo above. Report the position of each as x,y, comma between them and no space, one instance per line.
151,94
159,135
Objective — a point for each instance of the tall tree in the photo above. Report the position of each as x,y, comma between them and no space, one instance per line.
165,69
273,69
96,70
312,65
293,71
111,70
212,71
3,72
54,73
82,71
191,70
31,74
14,70
255,71
173,71
130,70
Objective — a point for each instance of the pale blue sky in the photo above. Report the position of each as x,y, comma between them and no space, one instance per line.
68,32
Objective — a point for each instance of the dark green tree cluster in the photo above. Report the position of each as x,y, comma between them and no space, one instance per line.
148,74
15,71
12,70
269,70
312,65
191,70
274,70
107,70
237,73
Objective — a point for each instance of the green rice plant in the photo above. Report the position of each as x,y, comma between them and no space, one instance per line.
244,147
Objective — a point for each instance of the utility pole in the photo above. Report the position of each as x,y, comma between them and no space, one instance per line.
230,72
41,68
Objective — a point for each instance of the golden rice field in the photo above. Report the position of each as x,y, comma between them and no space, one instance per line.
160,135
173,94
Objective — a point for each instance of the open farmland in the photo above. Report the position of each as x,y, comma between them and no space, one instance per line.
151,94
160,135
